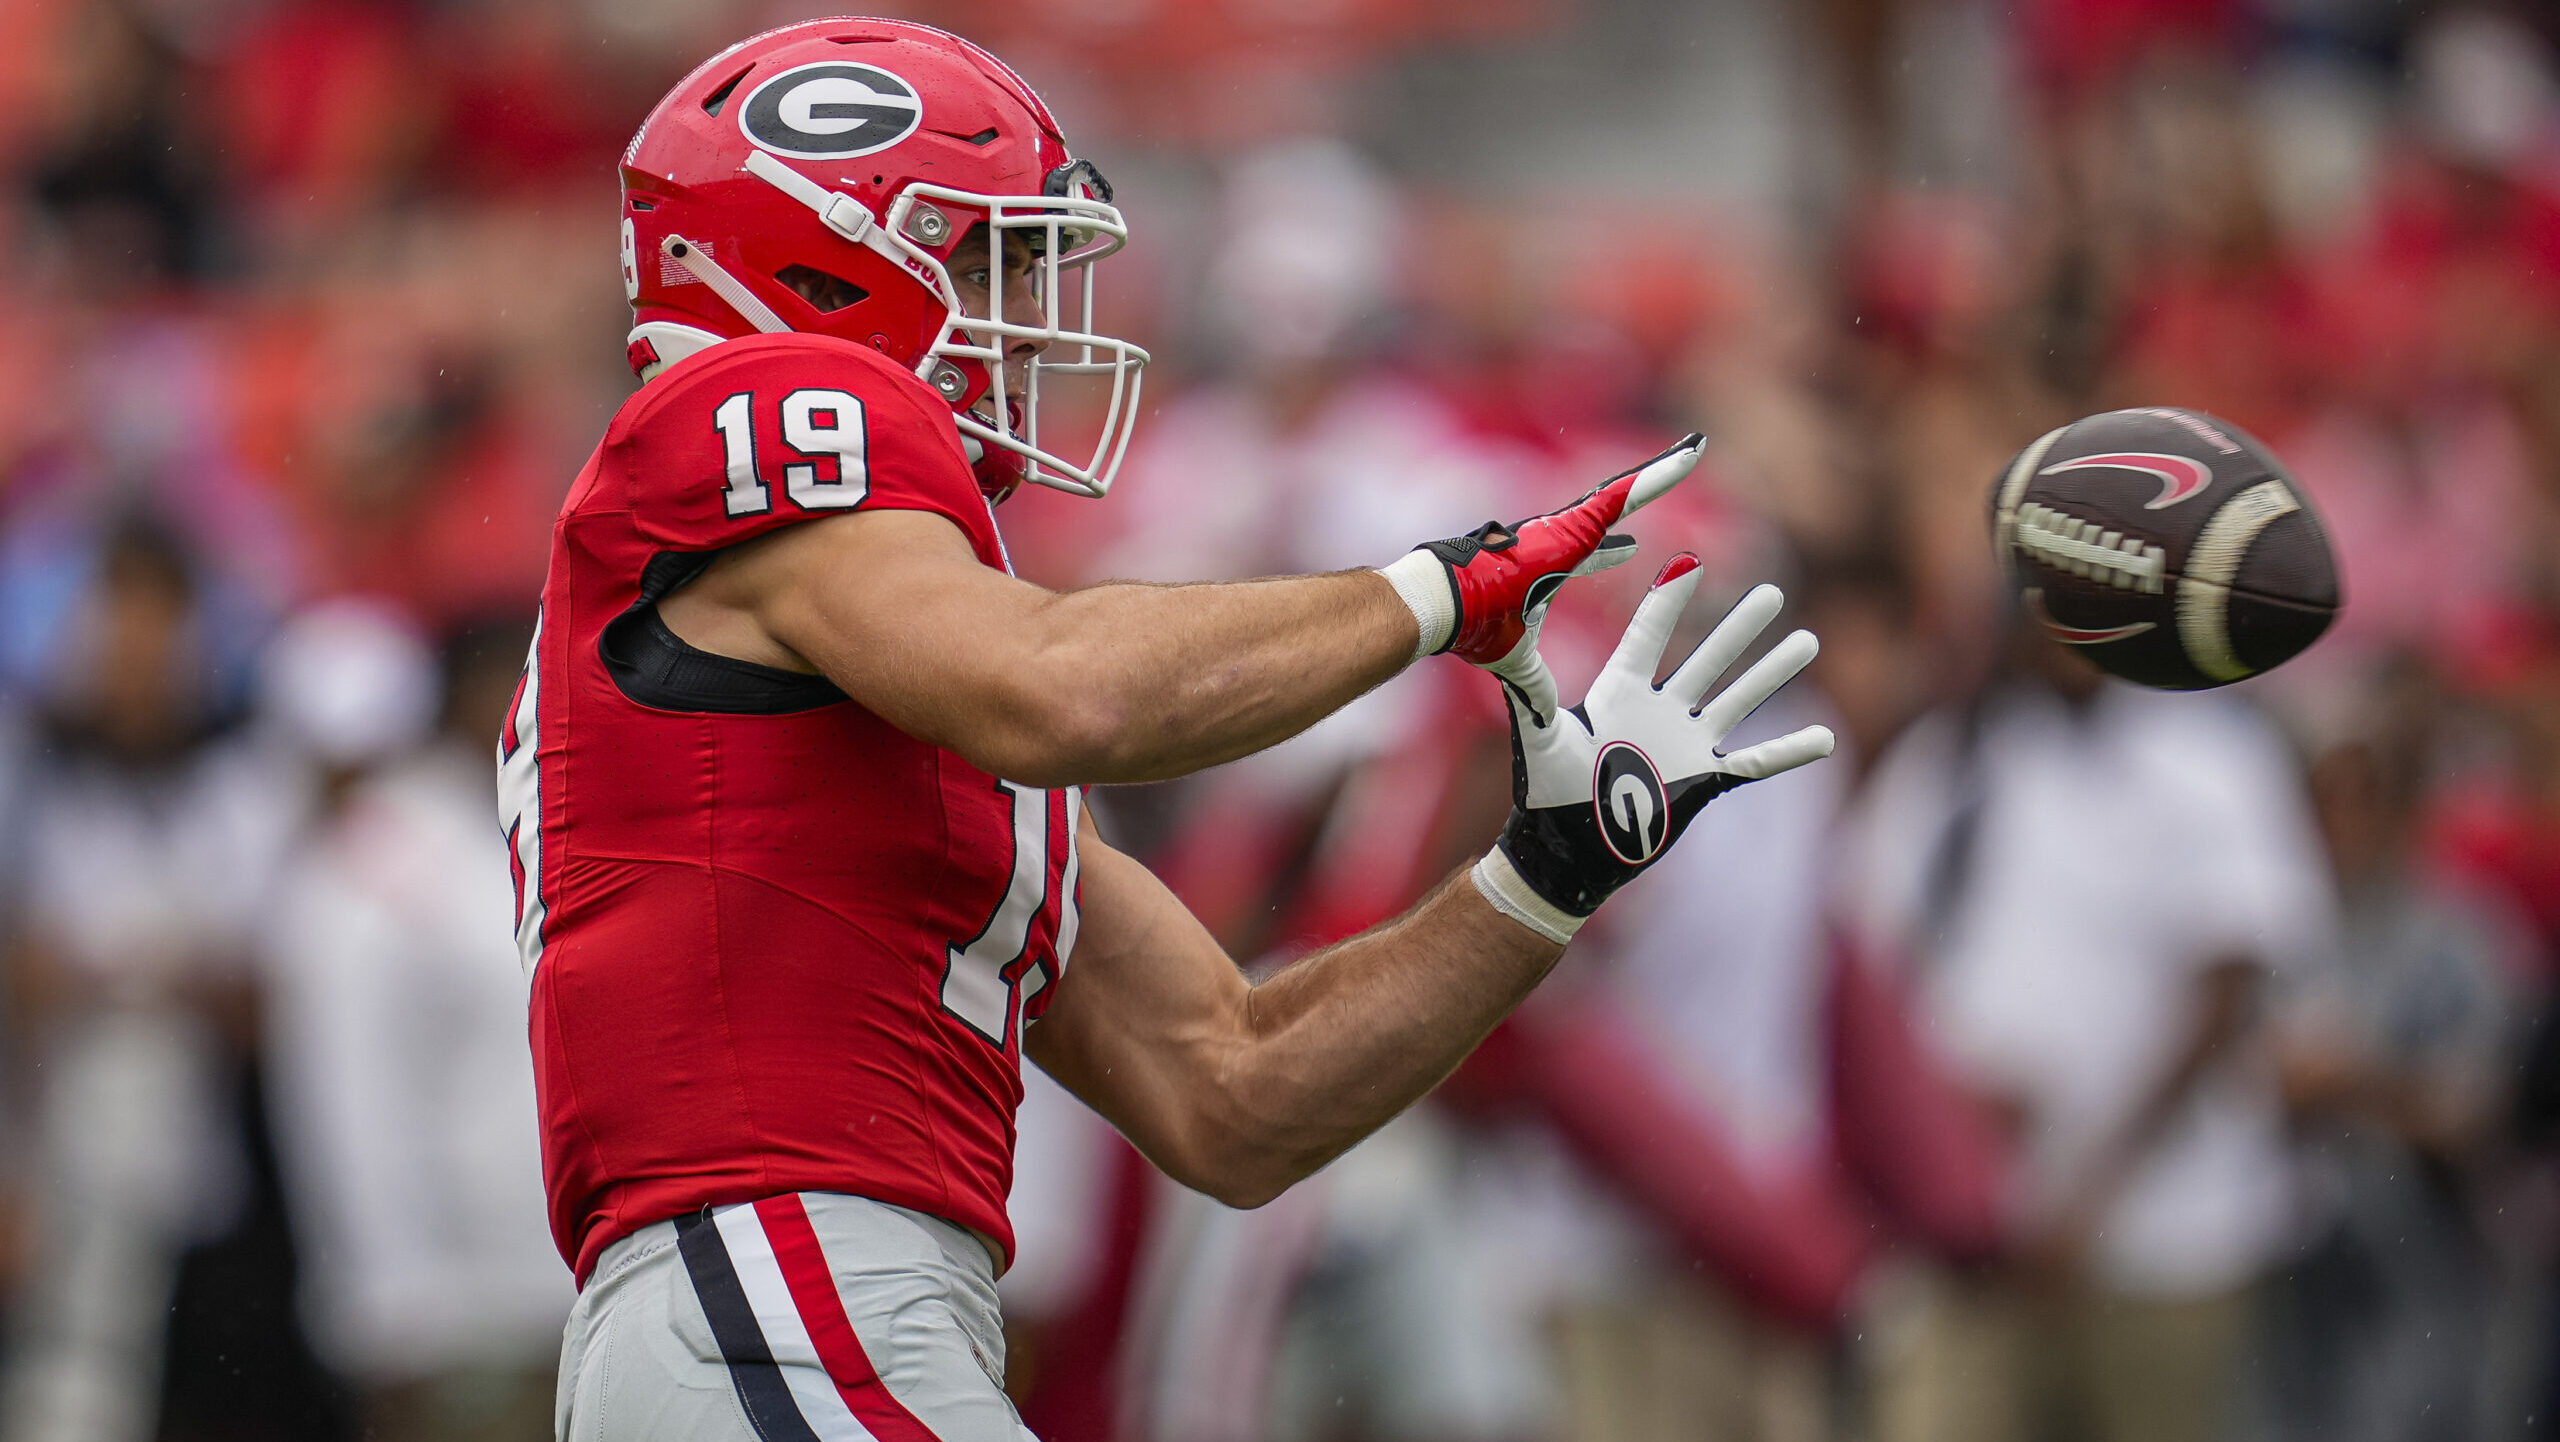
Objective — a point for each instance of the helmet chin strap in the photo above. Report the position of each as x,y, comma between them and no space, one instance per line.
853,220
724,285
742,300
845,216
840,212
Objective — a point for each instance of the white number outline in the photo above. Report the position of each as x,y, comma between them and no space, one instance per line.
983,984
734,421
520,801
846,441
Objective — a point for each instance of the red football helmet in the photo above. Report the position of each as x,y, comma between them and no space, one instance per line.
848,160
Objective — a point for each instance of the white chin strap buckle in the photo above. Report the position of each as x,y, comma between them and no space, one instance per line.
840,212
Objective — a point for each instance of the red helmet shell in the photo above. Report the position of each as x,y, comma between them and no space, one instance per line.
862,106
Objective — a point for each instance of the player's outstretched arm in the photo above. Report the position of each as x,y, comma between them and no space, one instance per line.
1127,682
1239,1090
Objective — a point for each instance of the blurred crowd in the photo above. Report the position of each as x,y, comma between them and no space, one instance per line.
2060,1061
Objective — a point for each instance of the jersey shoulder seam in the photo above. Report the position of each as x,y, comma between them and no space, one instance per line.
697,371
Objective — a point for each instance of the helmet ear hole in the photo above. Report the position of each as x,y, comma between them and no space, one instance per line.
825,293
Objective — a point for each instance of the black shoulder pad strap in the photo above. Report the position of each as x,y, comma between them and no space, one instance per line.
655,667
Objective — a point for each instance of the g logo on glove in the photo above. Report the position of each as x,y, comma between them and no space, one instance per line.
1627,795
1601,790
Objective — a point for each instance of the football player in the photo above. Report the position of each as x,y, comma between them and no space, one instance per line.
793,780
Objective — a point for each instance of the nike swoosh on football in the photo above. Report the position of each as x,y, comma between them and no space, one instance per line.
2076,635
2181,477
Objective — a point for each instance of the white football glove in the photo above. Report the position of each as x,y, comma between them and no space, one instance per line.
1600,791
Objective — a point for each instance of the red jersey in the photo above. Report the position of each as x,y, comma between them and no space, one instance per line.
775,944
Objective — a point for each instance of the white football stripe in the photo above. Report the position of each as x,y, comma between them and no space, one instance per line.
2204,592
2004,519
778,1317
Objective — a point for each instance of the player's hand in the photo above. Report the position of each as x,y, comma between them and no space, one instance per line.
1600,792
1482,595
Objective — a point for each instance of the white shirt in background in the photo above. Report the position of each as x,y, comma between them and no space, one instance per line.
2122,851
403,1101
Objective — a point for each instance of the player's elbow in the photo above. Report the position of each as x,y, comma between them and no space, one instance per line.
1243,1186
1246,1194
1242,1166
1042,734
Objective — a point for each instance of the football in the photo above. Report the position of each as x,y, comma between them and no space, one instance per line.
2169,546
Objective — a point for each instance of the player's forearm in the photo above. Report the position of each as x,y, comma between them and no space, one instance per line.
1338,1044
1148,682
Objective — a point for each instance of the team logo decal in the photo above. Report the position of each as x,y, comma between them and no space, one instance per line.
1627,793
2180,477
831,111
2077,635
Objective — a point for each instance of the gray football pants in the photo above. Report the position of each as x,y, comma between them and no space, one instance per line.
802,1318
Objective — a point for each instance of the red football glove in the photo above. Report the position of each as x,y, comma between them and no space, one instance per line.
1494,582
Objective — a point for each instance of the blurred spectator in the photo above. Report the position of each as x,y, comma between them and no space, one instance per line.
149,837
2106,892
1717,981
1752,1092
126,177
2398,1068
1308,451
403,1091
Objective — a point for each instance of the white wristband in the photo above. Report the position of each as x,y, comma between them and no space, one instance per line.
1500,883
1423,581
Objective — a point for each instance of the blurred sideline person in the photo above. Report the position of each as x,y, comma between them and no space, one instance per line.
150,838
1794,1127
2398,1073
1328,452
403,1098
793,780
2107,892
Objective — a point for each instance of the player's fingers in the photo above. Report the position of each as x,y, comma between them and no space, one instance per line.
1633,490
1768,758
1664,471
1758,684
1732,636
1527,679
1640,649
1612,551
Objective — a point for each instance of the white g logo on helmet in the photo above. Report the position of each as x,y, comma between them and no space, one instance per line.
833,110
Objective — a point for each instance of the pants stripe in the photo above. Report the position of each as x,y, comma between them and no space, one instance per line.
812,1284
770,1387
